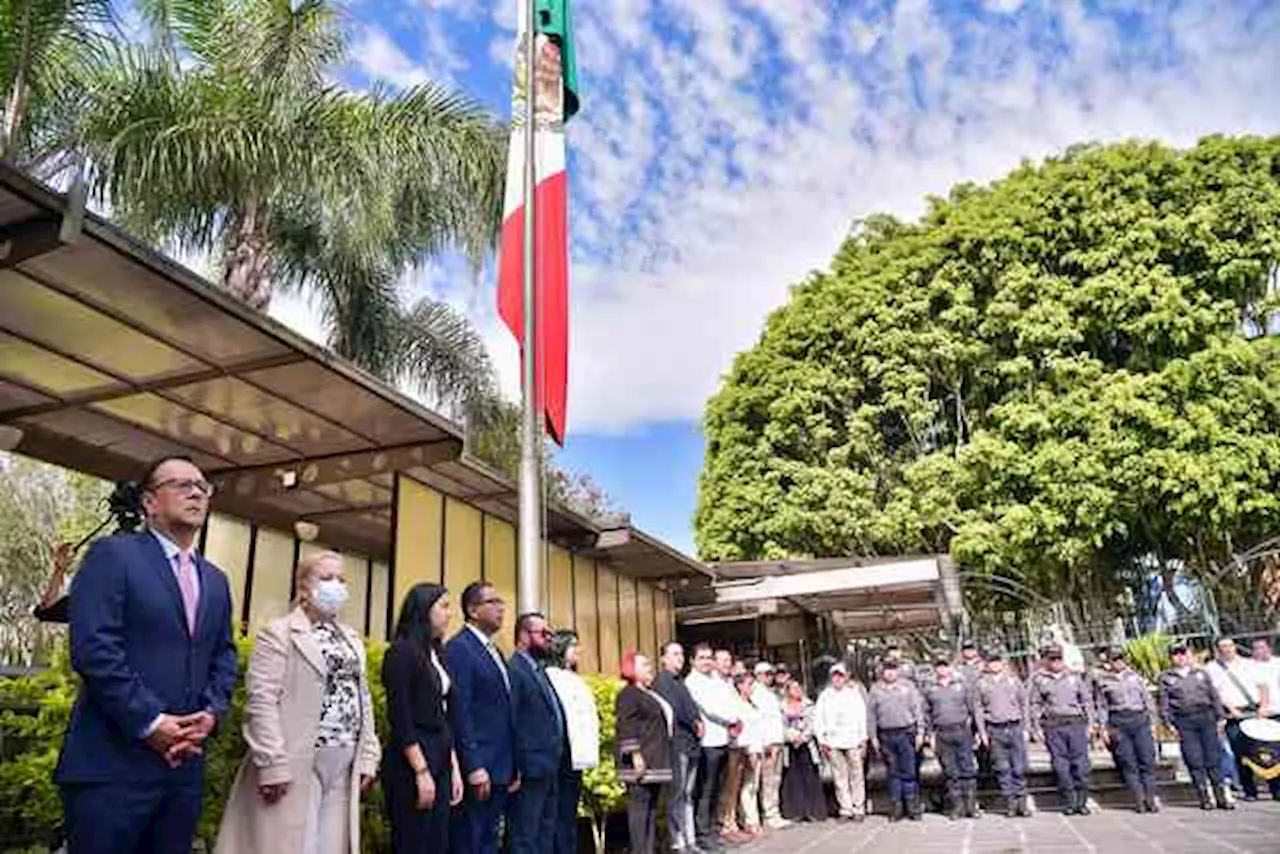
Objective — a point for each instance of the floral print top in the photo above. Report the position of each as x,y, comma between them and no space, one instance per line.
340,711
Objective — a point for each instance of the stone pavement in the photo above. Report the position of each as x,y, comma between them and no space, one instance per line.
1253,828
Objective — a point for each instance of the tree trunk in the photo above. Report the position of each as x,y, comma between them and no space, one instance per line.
246,272
20,93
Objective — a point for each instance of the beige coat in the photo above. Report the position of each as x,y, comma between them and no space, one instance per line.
286,685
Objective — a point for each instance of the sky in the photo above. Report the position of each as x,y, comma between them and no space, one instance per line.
725,148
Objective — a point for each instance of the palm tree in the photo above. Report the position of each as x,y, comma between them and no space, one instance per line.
225,134
44,48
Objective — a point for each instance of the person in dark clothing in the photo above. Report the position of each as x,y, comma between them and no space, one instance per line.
644,729
541,739
685,747
802,796
421,778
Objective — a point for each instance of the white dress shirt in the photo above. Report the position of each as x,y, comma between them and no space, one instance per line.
1244,672
840,717
769,706
718,703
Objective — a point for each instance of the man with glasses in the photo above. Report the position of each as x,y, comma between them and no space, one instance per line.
480,717
151,640
539,739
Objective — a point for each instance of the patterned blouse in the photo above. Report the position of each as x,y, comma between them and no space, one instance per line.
340,711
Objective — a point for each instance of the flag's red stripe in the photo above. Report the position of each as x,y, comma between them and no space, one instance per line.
551,245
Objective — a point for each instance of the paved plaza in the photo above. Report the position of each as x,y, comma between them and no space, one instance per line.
1254,828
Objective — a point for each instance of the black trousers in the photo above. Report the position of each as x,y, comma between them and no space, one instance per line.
707,794
955,752
1135,751
642,816
1201,749
567,795
413,829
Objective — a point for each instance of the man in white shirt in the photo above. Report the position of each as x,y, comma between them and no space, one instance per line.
840,727
718,704
769,706
1268,668
1241,686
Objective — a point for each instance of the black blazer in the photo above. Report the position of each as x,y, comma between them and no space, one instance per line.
540,736
672,689
642,729
415,700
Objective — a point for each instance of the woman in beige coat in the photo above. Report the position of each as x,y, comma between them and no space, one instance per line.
312,748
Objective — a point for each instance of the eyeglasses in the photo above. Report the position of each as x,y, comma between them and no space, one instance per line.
493,600
186,487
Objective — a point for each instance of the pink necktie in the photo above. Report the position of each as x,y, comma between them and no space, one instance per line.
187,583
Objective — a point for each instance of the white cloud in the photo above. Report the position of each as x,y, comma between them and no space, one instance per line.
377,55
723,153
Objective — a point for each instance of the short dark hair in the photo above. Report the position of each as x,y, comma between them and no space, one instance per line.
666,646
727,652
149,473
702,646
522,622
473,595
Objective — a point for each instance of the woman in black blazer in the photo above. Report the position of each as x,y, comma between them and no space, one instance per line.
644,748
420,768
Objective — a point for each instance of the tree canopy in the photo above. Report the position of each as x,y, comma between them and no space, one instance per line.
1066,377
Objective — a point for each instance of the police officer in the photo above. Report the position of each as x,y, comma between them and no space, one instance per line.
971,666
1125,714
952,715
1190,703
906,669
895,721
1062,710
1002,701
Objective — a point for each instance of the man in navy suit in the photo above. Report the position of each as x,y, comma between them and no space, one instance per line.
480,716
540,739
151,639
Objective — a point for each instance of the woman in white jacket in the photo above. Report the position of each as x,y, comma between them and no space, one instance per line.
584,735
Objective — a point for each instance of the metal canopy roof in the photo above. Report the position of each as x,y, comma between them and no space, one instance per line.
861,598
112,354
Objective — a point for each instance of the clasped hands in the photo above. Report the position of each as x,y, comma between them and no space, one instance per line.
179,737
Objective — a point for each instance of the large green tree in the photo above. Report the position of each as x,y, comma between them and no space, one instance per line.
1064,378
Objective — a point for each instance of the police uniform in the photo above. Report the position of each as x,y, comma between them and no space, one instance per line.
1126,712
952,715
1002,700
1062,710
895,718
1190,703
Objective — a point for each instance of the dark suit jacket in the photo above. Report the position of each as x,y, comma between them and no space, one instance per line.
136,659
479,710
415,704
540,736
685,710
642,729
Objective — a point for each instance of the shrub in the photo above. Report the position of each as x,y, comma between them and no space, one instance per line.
36,710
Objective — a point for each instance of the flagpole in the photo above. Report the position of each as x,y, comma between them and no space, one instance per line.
529,587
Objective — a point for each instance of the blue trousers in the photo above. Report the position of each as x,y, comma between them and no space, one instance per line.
955,752
1135,751
1201,748
132,818
1009,756
534,814
1069,752
476,824
899,748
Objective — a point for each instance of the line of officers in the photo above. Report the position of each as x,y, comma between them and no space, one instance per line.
983,702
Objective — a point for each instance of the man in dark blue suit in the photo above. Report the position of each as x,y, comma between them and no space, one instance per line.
540,739
480,716
151,639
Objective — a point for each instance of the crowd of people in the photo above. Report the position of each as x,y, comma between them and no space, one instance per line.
484,752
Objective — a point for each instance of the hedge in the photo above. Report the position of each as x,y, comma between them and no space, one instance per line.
34,711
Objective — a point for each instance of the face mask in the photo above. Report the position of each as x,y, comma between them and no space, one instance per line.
329,596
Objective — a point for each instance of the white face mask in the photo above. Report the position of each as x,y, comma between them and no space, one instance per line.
328,596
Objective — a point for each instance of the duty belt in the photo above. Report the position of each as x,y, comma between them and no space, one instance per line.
1065,720
1004,723
1128,714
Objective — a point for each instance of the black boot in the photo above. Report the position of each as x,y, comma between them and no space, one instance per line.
1082,802
1225,801
1140,802
1206,799
915,810
896,813
1011,808
1069,803
955,801
971,798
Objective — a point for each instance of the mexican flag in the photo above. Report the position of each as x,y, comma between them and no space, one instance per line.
555,103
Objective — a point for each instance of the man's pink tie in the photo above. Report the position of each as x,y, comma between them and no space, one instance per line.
187,583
